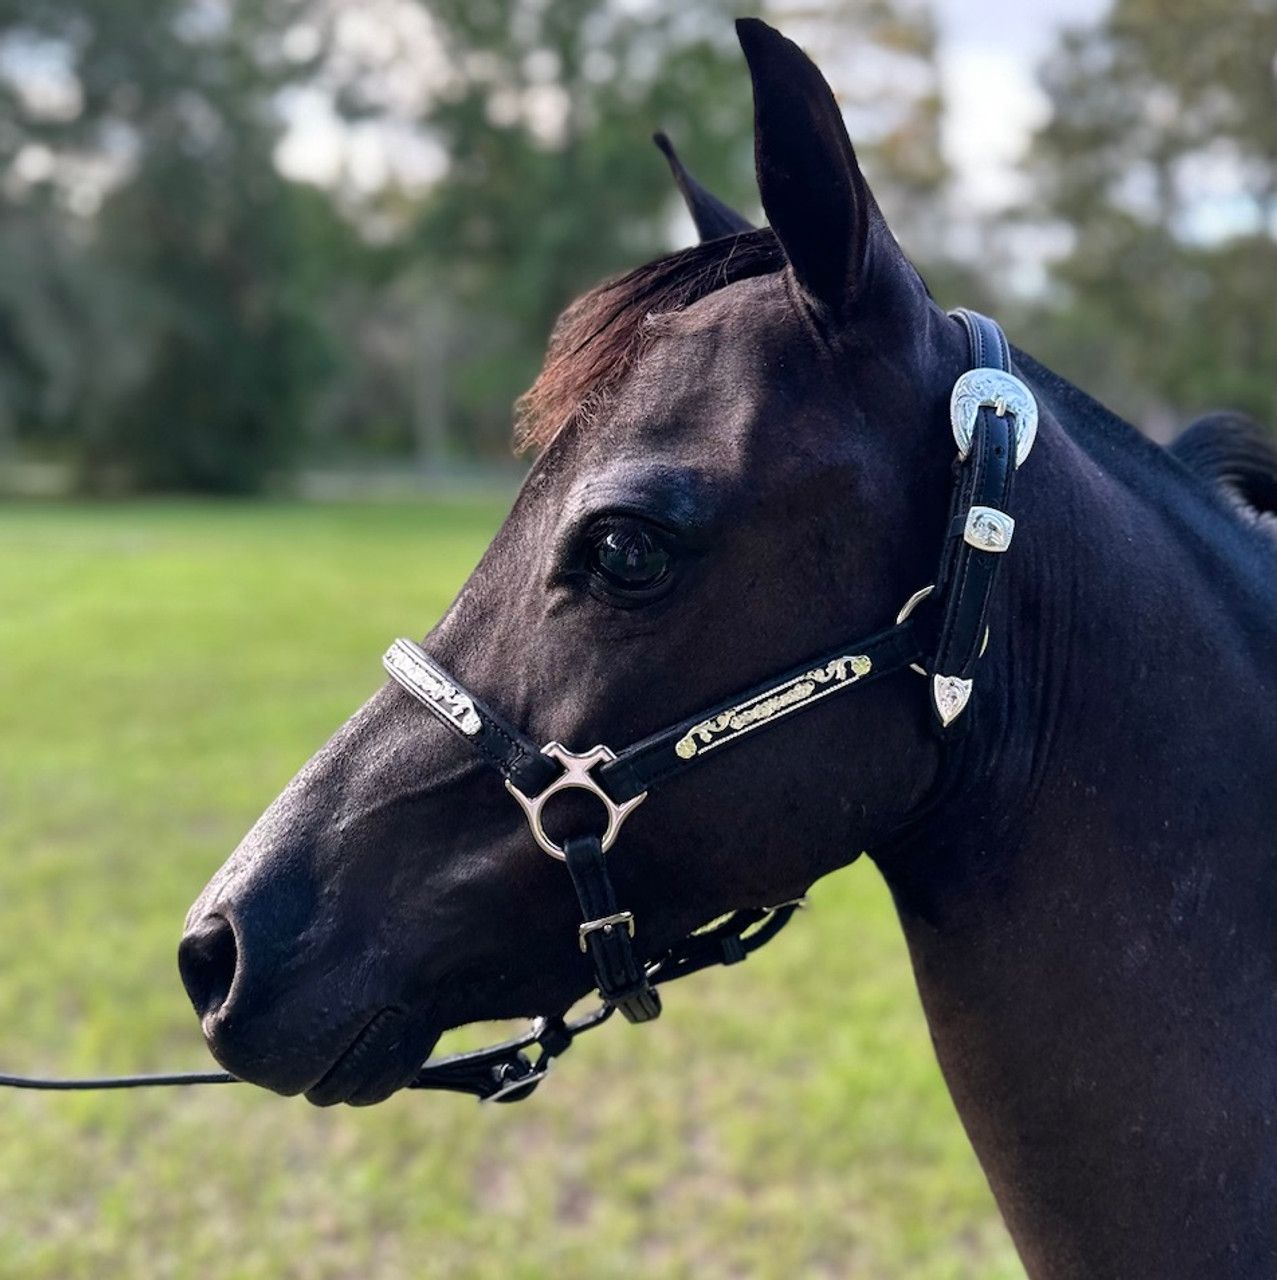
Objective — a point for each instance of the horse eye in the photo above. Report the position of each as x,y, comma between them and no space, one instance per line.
628,556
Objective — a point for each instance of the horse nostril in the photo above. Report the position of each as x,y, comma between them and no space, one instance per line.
206,959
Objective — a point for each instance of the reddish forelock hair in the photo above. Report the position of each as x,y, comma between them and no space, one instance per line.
600,336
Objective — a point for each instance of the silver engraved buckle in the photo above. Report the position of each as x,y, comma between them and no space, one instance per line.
576,775
606,923
1004,393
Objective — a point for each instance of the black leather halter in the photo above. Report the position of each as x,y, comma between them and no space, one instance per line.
994,420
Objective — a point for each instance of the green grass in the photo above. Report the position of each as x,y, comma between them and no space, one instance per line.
164,669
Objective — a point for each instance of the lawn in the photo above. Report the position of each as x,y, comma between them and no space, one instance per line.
164,670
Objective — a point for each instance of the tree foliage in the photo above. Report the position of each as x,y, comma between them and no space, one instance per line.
175,313
192,272
1160,156
547,115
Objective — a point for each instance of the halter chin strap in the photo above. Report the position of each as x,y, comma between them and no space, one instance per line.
994,420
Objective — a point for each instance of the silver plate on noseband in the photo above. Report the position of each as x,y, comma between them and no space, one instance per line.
408,665
576,775
980,388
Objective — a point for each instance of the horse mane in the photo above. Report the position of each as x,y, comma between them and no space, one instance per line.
1237,454
598,338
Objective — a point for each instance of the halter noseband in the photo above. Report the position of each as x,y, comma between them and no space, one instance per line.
994,420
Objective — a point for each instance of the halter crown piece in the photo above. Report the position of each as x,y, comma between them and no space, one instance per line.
994,421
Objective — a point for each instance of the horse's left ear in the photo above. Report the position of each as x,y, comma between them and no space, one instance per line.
713,218
813,192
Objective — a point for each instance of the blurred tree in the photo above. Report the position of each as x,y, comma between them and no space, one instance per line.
1160,157
167,107
546,116
176,314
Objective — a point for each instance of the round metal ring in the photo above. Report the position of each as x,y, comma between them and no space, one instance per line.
575,776
911,604
908,607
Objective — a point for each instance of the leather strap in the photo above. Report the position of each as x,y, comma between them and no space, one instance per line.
967,574
512,754
517,758
605,935
989,346
656,758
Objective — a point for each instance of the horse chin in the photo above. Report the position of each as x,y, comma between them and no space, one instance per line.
361,1061
381,1059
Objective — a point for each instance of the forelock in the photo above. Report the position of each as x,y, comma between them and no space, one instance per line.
600,336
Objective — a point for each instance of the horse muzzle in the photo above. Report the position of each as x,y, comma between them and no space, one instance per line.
333,1039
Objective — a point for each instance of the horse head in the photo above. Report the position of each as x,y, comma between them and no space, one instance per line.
743,459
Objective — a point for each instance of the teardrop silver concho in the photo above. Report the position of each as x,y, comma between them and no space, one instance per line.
978,388
950,694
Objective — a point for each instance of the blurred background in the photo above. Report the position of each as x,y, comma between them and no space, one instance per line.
261,244
293,251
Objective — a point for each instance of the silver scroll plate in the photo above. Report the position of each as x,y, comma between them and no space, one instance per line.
978,388
408,665
772,703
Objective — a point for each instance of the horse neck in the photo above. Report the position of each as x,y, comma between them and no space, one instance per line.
1089,909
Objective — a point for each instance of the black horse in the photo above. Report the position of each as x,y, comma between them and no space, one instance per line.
746,458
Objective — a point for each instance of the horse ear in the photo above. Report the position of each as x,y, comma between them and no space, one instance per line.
712,217
813,192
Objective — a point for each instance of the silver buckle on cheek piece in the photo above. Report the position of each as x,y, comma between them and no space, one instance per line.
576,776
606,923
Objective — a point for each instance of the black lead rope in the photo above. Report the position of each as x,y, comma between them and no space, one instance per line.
994,419
117,1082
505,1072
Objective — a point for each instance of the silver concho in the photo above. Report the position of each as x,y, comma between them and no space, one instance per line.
950,695
407,664
1002,391
988,529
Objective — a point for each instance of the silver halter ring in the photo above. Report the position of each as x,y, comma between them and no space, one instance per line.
906,609
575,776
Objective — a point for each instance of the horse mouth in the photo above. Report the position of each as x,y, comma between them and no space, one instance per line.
371,1067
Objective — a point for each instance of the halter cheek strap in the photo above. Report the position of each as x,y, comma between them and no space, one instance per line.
994,420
